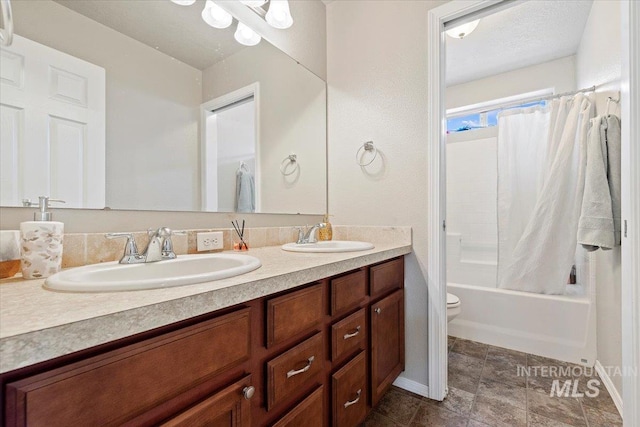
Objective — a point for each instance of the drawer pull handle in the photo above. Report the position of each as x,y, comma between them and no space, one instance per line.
292,372
378,310
353,334
354,401
248,392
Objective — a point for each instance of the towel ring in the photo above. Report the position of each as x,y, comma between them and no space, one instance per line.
367,146
290,159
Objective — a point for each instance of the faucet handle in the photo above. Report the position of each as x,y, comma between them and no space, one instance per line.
167,244
301,232
130,255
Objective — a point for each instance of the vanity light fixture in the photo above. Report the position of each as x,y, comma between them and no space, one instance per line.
246,36
253,3
461,31
184,2
278,16
216,16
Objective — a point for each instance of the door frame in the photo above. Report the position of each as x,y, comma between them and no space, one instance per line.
436,262
220,102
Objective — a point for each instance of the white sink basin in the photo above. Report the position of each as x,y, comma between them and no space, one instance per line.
184,270
328,246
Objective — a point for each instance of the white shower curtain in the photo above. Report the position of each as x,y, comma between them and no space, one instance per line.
541,164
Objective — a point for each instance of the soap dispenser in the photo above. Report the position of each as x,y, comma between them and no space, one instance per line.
41,242
325,233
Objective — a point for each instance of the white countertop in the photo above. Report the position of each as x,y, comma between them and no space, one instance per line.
38,324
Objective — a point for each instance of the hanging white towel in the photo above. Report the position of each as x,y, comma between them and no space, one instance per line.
245,190
596,228
614,174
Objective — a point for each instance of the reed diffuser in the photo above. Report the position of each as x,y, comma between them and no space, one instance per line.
242,245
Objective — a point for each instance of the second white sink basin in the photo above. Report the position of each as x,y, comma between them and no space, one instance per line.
184,270
329,246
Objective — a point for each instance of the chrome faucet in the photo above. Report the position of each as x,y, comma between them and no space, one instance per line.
308,235
159,248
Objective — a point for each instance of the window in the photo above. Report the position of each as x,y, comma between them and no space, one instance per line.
484,119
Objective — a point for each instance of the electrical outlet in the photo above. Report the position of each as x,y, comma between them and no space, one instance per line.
209,241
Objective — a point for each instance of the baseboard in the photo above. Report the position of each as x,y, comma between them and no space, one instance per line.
412,386
617,399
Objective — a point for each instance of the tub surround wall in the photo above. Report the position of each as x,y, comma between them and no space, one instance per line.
37,325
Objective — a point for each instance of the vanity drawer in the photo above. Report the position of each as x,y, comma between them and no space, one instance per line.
293,313
292,369
119,385
348,291
348,335
227,407
350,393
308,413
386,276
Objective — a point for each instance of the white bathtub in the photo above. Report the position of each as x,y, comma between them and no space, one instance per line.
560,327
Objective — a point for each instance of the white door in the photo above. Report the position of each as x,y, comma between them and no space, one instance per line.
52,126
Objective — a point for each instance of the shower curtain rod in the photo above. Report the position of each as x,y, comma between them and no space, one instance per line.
502,106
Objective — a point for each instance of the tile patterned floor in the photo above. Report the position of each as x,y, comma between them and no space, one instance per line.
486,390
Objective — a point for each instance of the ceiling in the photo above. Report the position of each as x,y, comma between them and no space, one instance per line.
177,31
529,33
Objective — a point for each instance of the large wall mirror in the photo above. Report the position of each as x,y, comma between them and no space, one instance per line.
141,105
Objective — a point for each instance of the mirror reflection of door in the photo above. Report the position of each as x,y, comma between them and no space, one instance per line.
52,126
230,178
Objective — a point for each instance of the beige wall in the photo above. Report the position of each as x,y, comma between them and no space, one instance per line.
599,63
152,107
377,79
292,120
559,75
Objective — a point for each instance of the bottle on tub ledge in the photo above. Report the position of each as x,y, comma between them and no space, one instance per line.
572,276
41,242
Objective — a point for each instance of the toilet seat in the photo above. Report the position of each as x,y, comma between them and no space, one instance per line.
452,301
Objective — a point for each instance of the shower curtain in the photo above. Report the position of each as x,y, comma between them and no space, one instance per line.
541,166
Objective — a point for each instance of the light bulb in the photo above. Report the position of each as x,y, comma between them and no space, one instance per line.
253,3
184,2
216,16
279,15
246,36
461,31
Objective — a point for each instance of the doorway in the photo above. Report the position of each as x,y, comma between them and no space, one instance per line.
230,166
455,13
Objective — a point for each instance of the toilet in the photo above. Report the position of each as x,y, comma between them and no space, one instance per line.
453,306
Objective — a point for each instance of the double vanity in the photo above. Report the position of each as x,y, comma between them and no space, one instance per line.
313,338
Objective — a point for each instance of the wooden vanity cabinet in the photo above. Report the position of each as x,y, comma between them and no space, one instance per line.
319,355
387,343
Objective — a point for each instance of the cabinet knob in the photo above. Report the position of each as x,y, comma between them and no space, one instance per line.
378,310
248,392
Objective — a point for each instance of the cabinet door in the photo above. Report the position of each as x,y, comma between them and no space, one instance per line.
289,372
308,413
387,343
117,386
227,408
293,313
349,387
